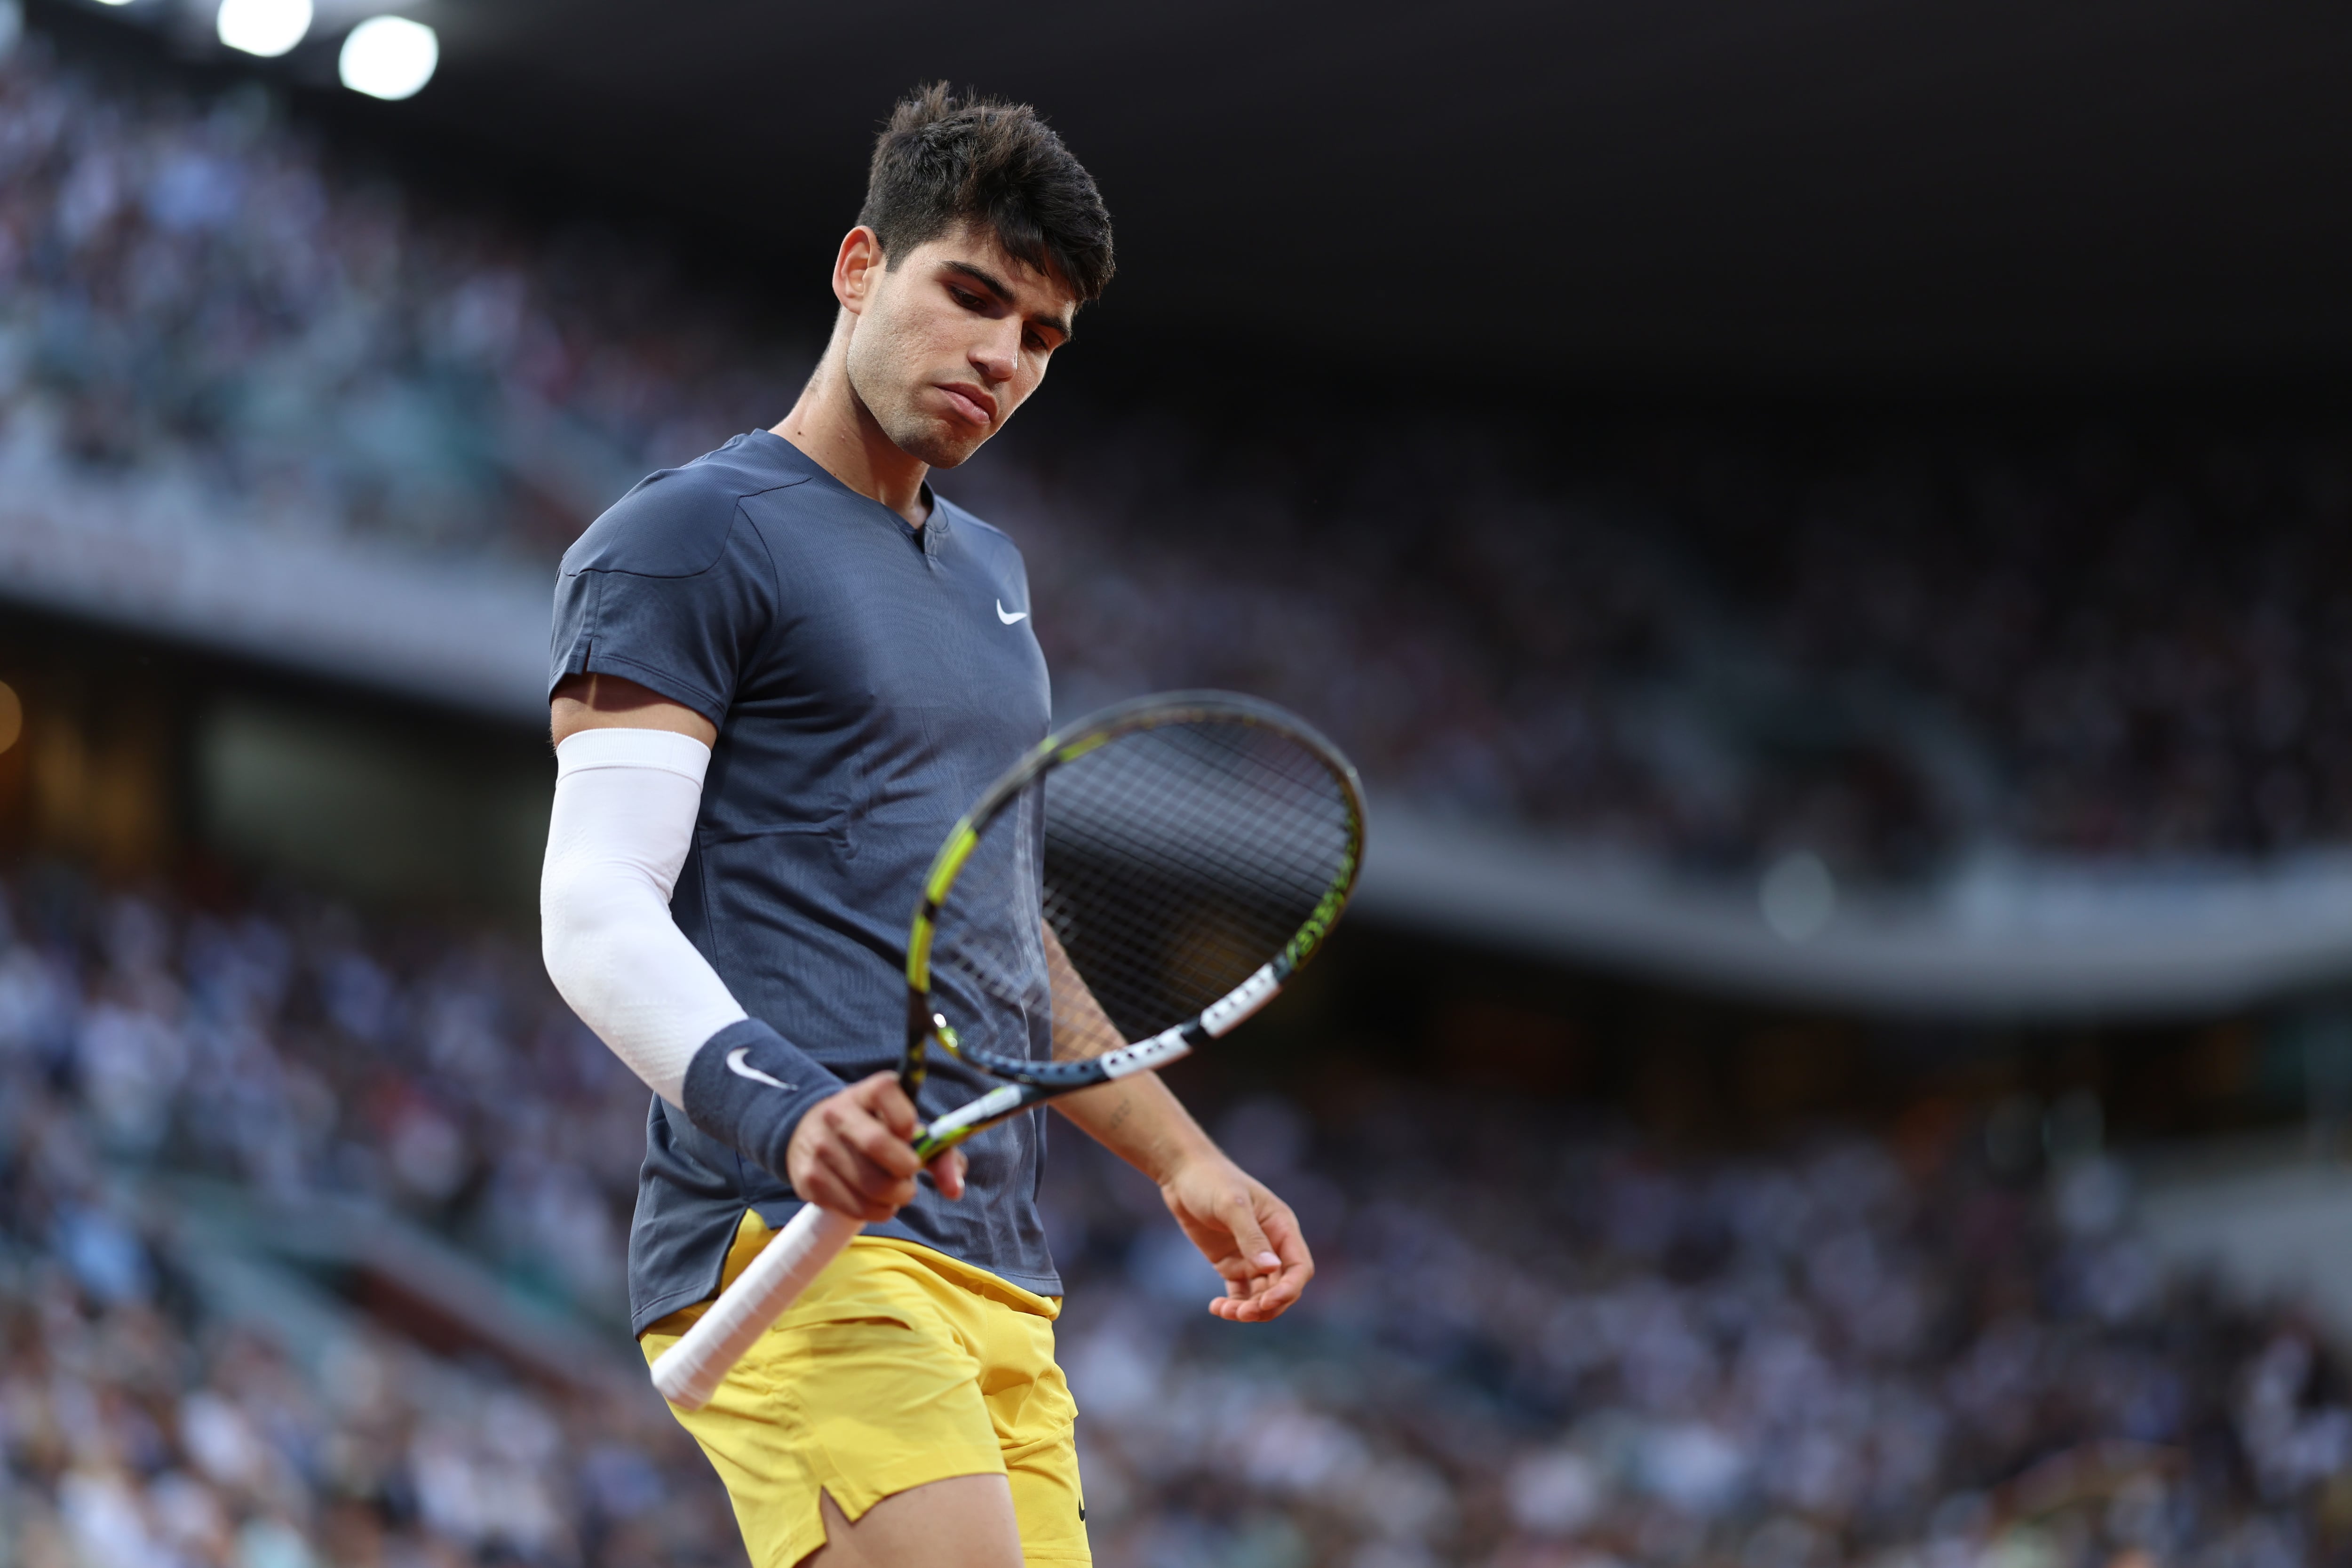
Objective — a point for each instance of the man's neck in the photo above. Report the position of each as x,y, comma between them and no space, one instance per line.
832,424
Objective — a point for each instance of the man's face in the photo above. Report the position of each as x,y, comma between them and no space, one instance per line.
948,343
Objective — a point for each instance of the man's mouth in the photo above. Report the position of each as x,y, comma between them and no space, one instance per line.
971,402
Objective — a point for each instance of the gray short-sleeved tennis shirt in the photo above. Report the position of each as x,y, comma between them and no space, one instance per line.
868,679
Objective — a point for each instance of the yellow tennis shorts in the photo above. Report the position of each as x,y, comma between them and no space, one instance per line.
899,1367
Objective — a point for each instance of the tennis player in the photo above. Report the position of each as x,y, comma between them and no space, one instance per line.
780,673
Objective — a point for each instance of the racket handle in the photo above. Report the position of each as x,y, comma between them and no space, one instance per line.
690,1372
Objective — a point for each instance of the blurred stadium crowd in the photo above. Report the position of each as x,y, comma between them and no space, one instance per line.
1523,1351
1536,1354
145,1422
1714,645
1893,649
194,296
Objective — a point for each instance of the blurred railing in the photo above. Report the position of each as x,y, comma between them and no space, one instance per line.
143,553
2021,939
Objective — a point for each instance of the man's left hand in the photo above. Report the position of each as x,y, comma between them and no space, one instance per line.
1247,1233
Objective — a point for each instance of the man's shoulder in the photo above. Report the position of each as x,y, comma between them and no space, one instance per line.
675,522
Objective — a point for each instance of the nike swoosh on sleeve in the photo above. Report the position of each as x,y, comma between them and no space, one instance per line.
1010,617
741,1069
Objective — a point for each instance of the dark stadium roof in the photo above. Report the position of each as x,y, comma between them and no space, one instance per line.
1686,191
1713,187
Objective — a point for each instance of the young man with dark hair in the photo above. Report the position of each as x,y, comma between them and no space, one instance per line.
778,674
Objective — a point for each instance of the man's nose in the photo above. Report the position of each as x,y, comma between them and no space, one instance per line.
998,355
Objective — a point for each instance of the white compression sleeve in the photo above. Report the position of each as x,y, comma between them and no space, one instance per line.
625,802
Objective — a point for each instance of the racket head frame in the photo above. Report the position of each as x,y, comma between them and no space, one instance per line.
1028,1082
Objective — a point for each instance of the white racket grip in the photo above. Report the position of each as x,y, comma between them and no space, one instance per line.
690,1372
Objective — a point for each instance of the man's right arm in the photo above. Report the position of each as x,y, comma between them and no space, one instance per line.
624,816
608,702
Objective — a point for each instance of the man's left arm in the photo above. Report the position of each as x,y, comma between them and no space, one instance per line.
1249,1234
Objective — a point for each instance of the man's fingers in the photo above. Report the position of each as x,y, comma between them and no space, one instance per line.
1297,1262
1252,1253
1280,1292
851,1154
867,1158
946,1168
882,1097
873,1194
825,1188
839,1169
889,1180
1271,1296
885,1149
1269,1267
851,1125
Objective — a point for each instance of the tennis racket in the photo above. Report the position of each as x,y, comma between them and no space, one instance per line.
1133,887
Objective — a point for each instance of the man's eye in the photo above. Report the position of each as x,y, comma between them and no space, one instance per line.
964,297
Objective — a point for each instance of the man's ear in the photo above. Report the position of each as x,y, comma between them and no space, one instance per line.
857,269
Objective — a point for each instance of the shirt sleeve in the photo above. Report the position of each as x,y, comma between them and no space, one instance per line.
671,588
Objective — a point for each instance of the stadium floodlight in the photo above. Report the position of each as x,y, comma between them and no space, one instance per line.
264,27
390,56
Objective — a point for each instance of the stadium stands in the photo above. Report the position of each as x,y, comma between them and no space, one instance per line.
198,297
1521,1353
170,1401
283,1190
1894,648
1524,1348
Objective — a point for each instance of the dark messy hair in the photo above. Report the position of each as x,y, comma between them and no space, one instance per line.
945,161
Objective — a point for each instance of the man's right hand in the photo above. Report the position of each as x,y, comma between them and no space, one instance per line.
854,1153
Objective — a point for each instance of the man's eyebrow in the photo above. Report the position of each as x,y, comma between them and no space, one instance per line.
1059,325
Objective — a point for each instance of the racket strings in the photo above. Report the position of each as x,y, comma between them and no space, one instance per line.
988,973
1185,857
1172,863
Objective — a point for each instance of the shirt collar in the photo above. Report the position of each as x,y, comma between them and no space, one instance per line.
787,456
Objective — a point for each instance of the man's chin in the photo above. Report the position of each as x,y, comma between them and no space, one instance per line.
939,446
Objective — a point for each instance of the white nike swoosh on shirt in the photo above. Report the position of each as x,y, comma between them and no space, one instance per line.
1009,617
736,1064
